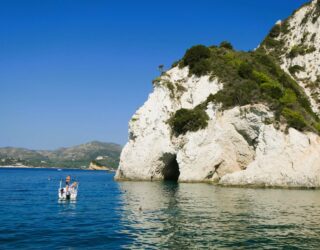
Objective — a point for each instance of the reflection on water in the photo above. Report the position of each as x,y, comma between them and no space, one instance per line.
180,216
144,215
67,202
67,208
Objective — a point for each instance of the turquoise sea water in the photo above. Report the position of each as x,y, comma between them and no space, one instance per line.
145,215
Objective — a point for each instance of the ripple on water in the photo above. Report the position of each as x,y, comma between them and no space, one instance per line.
139,215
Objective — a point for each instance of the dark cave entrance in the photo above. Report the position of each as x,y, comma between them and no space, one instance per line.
171,170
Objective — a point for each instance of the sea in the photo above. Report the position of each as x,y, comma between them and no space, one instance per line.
151,215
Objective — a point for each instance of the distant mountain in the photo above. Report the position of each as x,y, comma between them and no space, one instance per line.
79,156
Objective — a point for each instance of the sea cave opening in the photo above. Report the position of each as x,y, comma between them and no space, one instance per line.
171,170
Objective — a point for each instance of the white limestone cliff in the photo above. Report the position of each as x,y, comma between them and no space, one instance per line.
282,160
303,34
238,147
150,144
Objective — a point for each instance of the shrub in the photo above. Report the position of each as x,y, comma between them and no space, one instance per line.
316,13
180,88
304,102
305,36
317,127
232,59
295,69
275,31
170,86
288,82
156,81
175,64
195,54
226,45
296,50
247,92
249,78
245,70
272,43
200,68
310,50
275,45
241,94
185,120
272,88
305,18
268,63
289,97
260,77
294,119
300,50
195,58
285,27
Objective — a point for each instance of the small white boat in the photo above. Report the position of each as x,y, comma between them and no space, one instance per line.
71,194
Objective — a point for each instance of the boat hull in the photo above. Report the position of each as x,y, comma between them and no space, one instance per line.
70,195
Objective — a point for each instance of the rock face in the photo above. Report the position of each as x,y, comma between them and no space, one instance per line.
282,160
236,139
150,149
241,145
95,166
298,49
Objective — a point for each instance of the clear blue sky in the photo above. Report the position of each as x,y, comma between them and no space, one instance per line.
73,71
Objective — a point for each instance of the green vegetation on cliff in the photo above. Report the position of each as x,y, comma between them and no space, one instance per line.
274,42
198,60
248,78
185,120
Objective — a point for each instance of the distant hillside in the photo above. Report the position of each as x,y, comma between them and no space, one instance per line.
80,156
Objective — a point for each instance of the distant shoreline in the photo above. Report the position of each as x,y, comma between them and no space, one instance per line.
22,166
31,167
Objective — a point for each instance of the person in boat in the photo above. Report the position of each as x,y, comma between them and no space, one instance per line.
68,181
